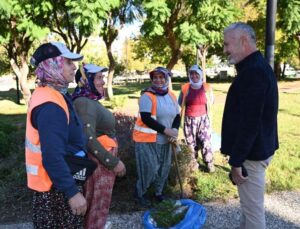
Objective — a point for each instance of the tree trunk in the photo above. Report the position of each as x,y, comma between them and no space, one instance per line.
203,65
176,54
22,73
203,51
111,71
283,70
298,39
187,71
277,70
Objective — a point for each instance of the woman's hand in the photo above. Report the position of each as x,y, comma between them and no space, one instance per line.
114,151
120,169
171,132
78,204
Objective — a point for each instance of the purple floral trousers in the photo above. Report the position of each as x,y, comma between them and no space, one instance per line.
197,132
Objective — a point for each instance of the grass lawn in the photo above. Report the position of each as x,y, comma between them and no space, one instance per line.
283,173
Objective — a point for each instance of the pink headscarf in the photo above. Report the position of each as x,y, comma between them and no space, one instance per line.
50,73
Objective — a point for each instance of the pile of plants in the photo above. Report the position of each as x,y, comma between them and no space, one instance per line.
168,213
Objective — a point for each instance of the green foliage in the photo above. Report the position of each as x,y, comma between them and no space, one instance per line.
73,21
4,62
12,171
6,136
175,24
153,50
120,68
157,14
5,8
118,102
289,16
287,27
288,23
19,15
168,213
85,15
95,52
129,57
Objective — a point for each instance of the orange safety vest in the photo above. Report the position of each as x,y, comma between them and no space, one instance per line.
107,142
141,132
37,176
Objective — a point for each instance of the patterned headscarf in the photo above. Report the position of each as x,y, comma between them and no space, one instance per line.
160,90
86,87
50,73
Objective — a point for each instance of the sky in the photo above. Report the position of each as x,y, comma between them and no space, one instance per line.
128,31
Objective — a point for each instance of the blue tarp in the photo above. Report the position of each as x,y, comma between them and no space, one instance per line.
194,218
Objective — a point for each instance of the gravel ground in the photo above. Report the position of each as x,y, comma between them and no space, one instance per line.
282,212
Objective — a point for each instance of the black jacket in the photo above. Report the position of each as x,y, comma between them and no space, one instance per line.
249,126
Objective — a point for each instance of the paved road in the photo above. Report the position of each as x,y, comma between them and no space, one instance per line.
282,212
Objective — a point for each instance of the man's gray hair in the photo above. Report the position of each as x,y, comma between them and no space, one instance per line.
242,27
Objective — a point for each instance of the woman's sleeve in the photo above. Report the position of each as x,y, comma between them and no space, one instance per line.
88,115
145,107
176,122
180,98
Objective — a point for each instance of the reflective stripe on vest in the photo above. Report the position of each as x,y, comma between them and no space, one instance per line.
141,132
32,169
144,129
32,147
37,176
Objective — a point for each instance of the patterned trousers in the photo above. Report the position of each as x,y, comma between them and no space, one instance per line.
153,163
197,132
98,192
51,210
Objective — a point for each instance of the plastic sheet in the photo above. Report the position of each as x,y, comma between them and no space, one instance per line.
194,218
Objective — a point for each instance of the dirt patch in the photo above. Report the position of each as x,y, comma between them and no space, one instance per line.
289,87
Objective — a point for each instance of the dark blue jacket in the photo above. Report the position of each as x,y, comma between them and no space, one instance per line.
249,126
57,139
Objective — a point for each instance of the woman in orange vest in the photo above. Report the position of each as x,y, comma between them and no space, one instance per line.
195,100
53,131
99,127
157,123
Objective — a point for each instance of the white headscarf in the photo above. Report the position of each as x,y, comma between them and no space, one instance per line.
196,68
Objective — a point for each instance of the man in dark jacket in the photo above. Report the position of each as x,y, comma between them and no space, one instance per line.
249,127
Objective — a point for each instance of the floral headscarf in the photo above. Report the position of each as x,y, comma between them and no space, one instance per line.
86,87
50,73
154,88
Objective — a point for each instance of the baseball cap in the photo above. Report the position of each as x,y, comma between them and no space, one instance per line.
89,68
92,68
163,70
50,50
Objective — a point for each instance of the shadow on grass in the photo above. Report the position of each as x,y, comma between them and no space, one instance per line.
10,95
17,120
130,88
203,168
288,112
